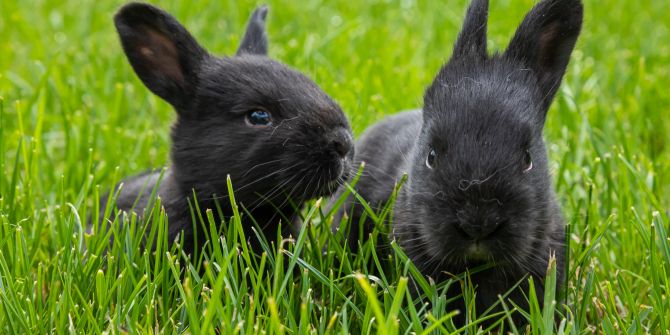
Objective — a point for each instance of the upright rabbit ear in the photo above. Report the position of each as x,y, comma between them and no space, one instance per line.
544,41
161,51
472,39
255,39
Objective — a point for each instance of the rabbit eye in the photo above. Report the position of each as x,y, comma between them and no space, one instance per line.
527,162
259,118
430,160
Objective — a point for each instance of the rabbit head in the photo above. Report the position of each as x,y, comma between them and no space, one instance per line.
478,187
269,127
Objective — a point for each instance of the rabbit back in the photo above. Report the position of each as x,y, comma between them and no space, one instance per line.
384,149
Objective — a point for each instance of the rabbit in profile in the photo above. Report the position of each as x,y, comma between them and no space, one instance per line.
478,188
281,139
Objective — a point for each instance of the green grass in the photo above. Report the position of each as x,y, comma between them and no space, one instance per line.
74,120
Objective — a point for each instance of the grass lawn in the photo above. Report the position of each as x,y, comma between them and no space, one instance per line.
74,120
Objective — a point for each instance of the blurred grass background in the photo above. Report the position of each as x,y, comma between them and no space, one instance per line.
74,115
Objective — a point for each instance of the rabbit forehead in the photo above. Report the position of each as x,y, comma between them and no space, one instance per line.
495,85
481,130
256,81
481,118
484,103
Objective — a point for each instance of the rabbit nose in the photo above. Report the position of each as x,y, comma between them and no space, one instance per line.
480,230
341,142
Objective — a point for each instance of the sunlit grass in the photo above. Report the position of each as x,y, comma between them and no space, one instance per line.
74,120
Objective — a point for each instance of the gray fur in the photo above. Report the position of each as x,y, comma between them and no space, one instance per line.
474,204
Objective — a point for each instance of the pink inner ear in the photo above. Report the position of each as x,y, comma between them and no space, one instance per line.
161,55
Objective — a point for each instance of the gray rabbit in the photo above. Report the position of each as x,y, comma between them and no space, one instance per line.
478,187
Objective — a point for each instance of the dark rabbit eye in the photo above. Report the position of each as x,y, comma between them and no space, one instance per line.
430,160
527,162
259,118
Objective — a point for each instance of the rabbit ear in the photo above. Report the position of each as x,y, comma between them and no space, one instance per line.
472,38
545,39
255,39
161,51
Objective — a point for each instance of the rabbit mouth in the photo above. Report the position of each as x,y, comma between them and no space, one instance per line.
335,176
329,185
478,252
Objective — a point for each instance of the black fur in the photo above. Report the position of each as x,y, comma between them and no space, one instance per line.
255,39
476,205
305,152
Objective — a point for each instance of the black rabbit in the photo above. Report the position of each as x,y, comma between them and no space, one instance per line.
478,188
281,139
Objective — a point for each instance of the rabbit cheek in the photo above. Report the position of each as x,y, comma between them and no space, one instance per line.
514,240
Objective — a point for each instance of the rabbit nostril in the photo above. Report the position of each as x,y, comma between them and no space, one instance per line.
467,229
478,231
341,142
500,223
489,228
341,148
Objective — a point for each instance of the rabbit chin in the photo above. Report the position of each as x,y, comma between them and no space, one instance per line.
330,186
478,252
336,179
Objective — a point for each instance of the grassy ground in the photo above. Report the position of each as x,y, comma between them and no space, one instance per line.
74,119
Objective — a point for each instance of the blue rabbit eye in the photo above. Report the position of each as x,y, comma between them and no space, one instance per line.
430,160
259,118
